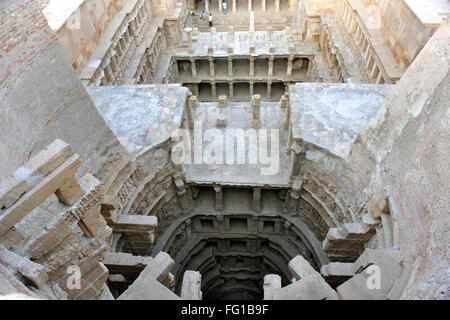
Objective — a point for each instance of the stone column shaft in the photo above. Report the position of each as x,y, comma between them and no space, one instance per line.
194,69
270,71
231,90
212,71
257,199
219,198
213,90
269,90
289,67
230,67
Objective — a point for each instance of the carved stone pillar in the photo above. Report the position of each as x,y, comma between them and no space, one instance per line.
277,5
230,86
220,6
263,5
207,6
234,5
230,67
249,5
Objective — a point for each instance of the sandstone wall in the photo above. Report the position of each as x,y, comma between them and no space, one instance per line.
404,32
407,144
80,33
42,98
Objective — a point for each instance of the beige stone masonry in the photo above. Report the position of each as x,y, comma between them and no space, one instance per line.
34,197
32,172
70,192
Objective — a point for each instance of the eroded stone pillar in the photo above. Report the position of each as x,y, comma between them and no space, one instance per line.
194,69
269,90
184,196
270,70
252,66
293,199
189,39
218,204
212,71
222,102
193,101
284,102
191,286
256,199
220,6
272,283
213,90
256,105
296,150
289,66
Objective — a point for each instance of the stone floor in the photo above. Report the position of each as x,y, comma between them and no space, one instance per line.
239,115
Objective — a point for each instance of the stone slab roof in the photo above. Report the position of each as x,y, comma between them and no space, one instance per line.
140,116
330,115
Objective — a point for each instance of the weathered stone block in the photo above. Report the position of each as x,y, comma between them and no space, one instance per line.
93,224
39,193
272,282
301,268
310,288
70,192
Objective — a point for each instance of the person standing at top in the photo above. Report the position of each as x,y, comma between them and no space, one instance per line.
210,19
224,7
